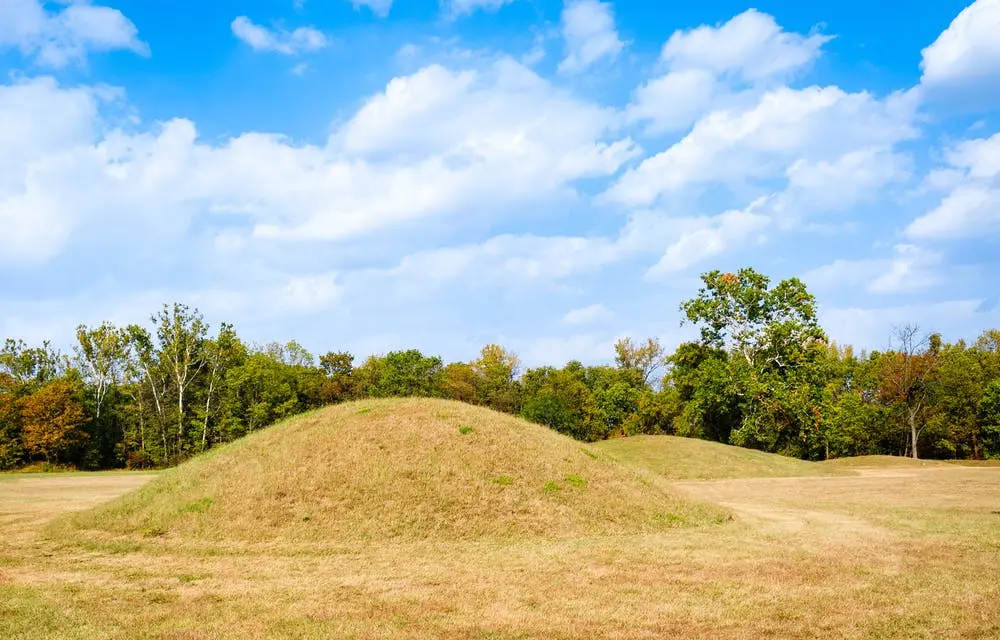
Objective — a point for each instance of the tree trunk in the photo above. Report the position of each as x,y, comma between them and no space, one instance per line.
180,421
208,406
913,433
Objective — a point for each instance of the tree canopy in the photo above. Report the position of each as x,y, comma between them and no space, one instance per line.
761,374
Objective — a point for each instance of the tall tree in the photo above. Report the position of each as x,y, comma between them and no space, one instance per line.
102,355
221,354
642,359
907,374
774,337
497,370
181,334
768,327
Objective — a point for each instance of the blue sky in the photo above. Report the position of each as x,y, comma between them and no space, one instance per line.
547,175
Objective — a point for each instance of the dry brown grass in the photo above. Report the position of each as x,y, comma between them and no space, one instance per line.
883,553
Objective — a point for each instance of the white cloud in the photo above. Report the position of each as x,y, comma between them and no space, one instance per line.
841,183
980,158
588,28
379,7
433,143
591,314
501,261
557,351
309,293
972,207
289,43
675,100
61,37
966,56
751,45
39,125
911,269
704,238
785,126
966,212
720,67
872,327
456,8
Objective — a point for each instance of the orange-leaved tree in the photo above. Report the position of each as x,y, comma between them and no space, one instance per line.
52,420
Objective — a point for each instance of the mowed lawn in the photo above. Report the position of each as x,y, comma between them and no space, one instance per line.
885,551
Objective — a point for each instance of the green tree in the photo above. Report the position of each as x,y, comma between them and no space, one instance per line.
496,369
989,415
400,374
459,381
774,339
181,333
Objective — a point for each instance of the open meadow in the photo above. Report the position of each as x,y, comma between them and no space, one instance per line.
433,519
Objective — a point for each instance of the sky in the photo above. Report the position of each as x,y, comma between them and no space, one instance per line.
551,176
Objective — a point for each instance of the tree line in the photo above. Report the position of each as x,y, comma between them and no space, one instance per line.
762,374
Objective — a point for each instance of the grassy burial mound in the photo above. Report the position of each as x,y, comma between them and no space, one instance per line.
882,462
690,459
397,469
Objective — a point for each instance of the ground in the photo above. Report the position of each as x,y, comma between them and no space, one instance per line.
886,552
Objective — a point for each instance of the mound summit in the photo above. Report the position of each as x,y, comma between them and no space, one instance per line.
397,469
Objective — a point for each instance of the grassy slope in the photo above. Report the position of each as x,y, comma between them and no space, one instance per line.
397,469
691,459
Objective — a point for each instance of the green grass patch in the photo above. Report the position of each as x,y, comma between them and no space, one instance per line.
465,430
503,481
576,481
551,487
198,506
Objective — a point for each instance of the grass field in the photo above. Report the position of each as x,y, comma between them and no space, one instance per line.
873,551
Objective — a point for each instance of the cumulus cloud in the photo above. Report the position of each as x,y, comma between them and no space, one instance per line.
58,38
841,183
720,66
972,205
704,238
289,43
588,27
910,269
673,101
752,46
433,143
591,314
783,127
964,61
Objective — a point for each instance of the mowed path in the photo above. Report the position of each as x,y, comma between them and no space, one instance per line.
27,501
857,504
